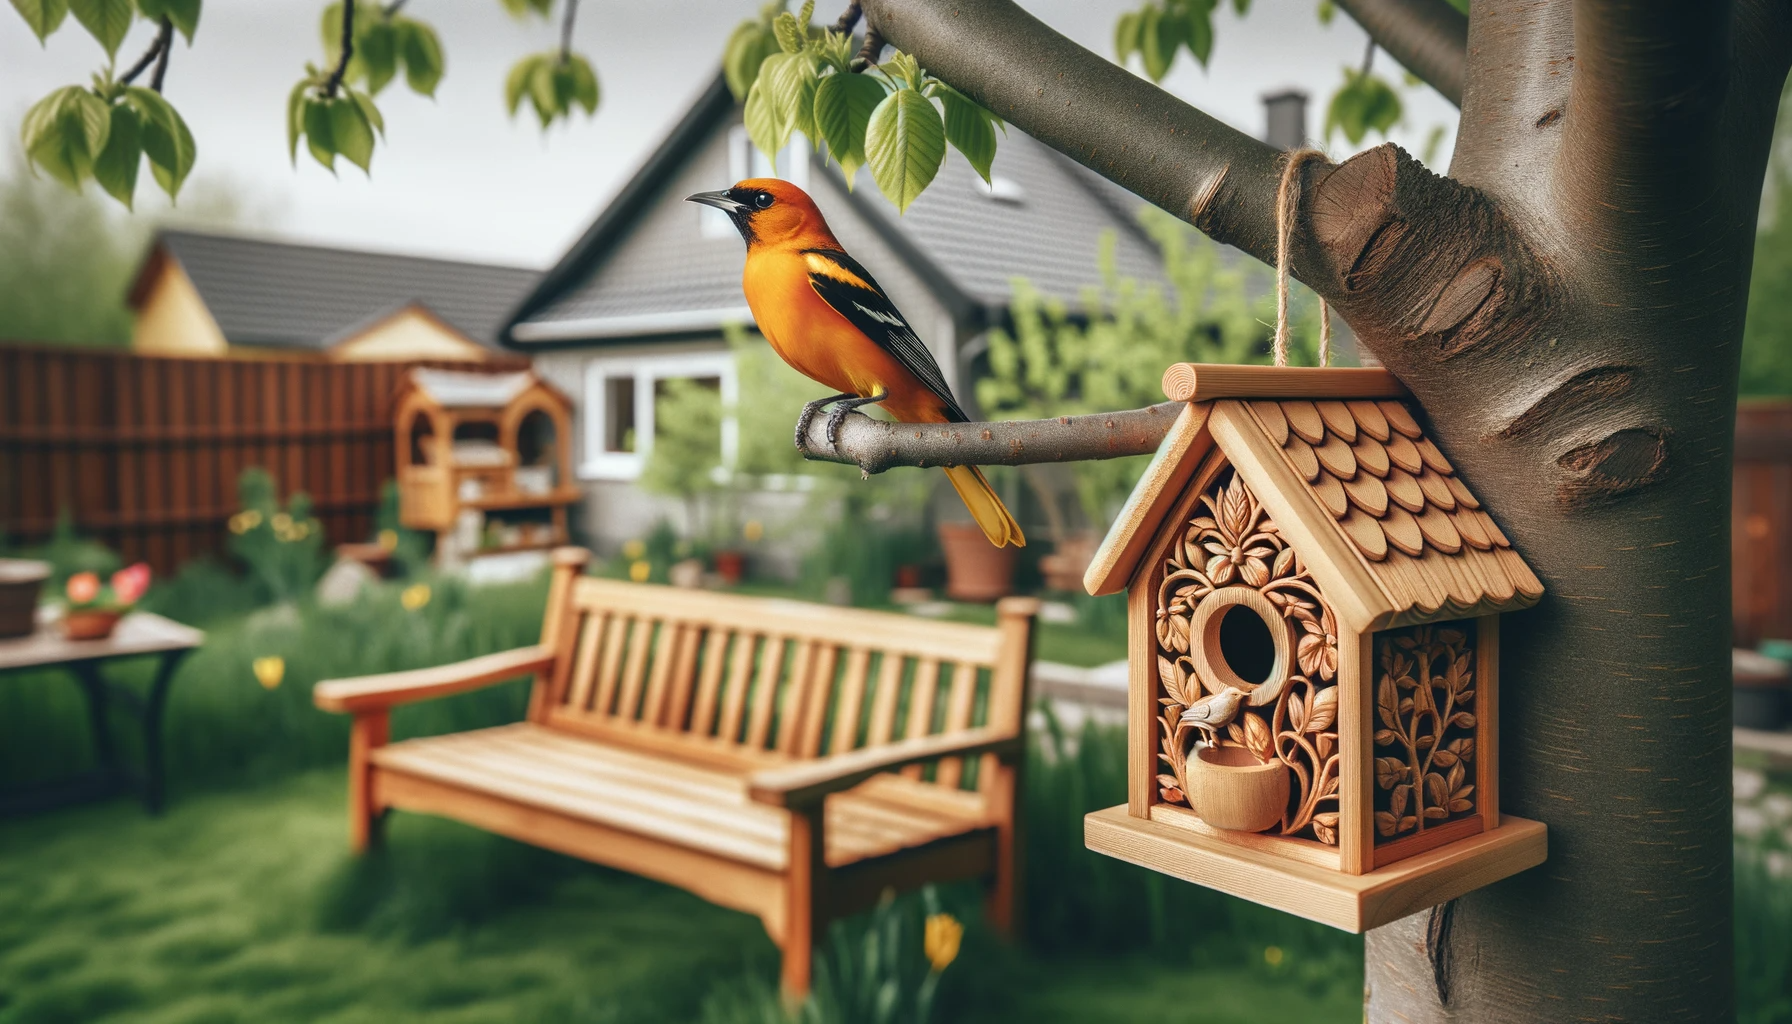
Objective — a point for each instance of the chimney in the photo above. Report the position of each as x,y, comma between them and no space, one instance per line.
1285,117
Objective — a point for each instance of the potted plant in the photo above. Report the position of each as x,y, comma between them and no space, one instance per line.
93,609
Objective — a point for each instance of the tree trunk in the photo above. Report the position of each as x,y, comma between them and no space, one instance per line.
1568,309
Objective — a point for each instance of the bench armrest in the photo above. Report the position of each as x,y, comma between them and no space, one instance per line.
377,693
806,783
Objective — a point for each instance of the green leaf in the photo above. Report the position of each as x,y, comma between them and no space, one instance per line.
905,143
1199,35
1363,104
350,132
44,16
542,92
106,20
523,8
1241,7
747,48
166,139
64,132
1159,35
295,118
905,68
583,77
318,127
791,37
970,129
843,106
368,111
376,51
767,130
183,14
422,52
793,85
1327,11
116,167
1126,36
516,84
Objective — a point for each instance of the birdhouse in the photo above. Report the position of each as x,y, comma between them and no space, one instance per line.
1314,599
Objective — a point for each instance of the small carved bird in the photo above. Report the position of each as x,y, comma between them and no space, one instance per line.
1213,713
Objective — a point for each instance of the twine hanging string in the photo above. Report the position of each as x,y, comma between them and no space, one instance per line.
1287,205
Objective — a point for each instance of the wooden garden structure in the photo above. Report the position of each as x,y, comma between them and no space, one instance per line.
793,761
496,446
1314,606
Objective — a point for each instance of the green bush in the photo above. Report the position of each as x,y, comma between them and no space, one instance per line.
282,546
1763,944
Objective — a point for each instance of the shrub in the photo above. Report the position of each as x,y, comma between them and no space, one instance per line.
282,546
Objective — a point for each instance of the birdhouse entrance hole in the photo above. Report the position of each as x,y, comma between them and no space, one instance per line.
1245,644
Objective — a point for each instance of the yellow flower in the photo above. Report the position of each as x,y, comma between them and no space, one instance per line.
633,550
388,540
754,531
941,940
1272,955
269,670
414,597
639,570
281,521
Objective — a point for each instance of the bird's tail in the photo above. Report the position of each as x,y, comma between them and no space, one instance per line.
987,509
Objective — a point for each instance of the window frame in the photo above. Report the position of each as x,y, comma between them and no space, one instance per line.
648,371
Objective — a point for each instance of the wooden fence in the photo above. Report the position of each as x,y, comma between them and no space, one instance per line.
144,451
1761,522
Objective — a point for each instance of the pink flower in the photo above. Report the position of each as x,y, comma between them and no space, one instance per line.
129,584
83,587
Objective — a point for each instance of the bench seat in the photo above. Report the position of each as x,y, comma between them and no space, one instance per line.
690,805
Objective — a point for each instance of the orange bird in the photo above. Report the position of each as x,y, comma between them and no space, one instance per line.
825,316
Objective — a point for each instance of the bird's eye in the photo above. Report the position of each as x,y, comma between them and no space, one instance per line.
763,200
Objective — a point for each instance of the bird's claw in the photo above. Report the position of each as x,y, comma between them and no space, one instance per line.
807,416
833,425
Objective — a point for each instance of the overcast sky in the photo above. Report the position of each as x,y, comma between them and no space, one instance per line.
457,178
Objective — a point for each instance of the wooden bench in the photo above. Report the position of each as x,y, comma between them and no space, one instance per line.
785,759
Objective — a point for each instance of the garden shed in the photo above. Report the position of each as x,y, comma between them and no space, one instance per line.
1314,606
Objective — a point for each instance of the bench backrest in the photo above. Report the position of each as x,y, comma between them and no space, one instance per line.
746,681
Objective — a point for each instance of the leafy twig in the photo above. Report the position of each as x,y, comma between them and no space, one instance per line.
873,49
848,18
158,50
348,50
161,72
566,23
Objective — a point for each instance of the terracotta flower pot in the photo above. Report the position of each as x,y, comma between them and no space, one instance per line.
731,566
90,623
1230,789
976,570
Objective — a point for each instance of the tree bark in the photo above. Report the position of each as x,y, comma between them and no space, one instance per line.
1567,308
1428,37
877,445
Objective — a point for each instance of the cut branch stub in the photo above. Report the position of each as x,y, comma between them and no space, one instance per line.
877,445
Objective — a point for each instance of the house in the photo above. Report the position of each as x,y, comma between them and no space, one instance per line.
645,294
204,294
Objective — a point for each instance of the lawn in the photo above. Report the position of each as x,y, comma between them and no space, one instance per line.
244,905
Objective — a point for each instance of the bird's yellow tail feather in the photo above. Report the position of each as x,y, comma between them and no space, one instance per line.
987,509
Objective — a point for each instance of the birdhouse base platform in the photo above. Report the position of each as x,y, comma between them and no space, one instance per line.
1354,903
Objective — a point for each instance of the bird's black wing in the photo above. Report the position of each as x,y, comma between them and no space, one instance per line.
847,287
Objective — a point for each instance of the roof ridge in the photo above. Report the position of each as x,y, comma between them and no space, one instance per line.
245,238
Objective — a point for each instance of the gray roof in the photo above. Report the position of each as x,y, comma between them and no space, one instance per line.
284,295
1044,223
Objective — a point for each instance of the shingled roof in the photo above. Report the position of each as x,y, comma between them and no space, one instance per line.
1044,222
286,295
1368,501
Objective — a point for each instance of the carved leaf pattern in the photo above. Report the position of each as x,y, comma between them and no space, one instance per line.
1424,698
1231,542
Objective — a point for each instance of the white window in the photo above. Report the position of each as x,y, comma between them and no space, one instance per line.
746,161
618,413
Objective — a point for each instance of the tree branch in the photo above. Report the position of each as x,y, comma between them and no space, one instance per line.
157,49
877,445
161,72
1100,114
1428,37
348,50
848,18
566,23
873,49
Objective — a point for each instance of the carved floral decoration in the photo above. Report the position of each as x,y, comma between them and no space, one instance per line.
1425,736
1233,542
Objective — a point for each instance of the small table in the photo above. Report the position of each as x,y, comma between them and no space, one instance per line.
138,633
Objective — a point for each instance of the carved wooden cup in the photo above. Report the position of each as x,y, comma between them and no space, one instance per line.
1230,789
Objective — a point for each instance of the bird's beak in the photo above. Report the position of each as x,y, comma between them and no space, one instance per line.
720,200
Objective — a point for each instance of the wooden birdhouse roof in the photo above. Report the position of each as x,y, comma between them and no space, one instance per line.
1344,467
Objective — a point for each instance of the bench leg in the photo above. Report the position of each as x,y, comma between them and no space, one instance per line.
803,901
1003,903
368,732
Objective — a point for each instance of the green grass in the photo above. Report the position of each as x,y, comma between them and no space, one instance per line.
244,906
